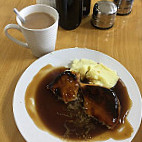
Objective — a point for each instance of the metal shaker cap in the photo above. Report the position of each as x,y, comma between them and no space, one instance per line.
104,14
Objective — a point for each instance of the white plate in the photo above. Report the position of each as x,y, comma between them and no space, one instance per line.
62,58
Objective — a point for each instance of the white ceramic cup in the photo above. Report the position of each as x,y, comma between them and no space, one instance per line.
40,41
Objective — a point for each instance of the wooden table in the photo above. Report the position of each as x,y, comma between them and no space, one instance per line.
122,42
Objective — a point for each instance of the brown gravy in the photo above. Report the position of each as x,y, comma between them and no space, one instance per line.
38,20
69,121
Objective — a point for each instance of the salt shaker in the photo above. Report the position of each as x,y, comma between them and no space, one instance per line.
104,14
124,6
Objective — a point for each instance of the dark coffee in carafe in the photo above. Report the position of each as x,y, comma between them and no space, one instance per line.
70,12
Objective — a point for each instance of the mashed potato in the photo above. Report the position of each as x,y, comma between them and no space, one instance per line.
96,73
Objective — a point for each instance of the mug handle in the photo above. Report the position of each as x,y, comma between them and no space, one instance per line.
14,26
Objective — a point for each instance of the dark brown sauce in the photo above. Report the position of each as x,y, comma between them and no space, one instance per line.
69,120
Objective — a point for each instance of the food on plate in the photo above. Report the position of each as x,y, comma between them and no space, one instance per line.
102,104
96,73
71,107
66,86
99,102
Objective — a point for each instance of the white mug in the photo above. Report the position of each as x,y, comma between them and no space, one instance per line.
40,41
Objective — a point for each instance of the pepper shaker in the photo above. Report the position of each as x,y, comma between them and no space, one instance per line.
104,14
124,6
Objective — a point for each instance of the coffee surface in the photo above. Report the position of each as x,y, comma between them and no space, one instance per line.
38,20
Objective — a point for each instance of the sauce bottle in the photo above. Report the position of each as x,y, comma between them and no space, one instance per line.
86,7
70,12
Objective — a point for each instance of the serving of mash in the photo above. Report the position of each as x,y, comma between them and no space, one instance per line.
95,73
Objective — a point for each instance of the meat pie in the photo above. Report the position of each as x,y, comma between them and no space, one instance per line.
103,104
99,102
66,86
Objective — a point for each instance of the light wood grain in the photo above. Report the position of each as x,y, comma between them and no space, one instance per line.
122,42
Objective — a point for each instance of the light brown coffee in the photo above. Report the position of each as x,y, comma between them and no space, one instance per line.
38,20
